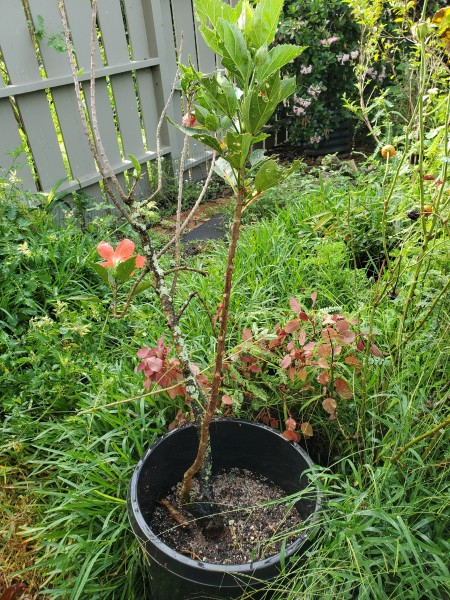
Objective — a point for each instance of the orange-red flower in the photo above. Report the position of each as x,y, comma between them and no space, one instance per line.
188,120
124,251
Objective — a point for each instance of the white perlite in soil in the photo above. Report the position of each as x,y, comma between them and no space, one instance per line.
257,525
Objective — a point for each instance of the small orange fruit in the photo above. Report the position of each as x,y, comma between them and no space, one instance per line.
427,209
387,151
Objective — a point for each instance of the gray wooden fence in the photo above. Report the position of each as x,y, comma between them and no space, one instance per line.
135,68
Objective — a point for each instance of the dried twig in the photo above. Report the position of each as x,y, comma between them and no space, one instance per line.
193,209
205,306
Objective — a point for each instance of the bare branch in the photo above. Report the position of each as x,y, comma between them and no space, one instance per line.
174,513
85,124
158,130
205,306
194,208
144,272
177,236
97,137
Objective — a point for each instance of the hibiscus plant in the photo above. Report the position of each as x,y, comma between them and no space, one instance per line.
227,111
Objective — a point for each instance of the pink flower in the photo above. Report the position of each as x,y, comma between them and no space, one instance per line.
314,91
329,41
124,251
343,58
188,120
306,70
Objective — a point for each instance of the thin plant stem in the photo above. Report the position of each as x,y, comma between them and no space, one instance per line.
419,438
200,463
194,209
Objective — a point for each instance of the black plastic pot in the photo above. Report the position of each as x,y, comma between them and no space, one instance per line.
234,443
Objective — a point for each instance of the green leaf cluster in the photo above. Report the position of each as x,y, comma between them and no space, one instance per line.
233,105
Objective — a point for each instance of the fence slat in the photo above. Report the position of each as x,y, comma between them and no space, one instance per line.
146,85
79,16
10,140
22,65
159,27
206,58
184,26
116,50
57,64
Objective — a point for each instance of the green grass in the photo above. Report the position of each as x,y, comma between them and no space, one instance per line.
384,526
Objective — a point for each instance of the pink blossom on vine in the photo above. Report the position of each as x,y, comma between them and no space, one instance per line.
329,41
304,102
343,58
314,91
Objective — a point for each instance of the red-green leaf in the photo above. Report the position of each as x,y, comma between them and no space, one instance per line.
285,363
329,405
306,429
247,335
292,326
290,435
309,346
324,350
375,350
353,361
290,423
343,389
302,374
294,304
342,326
292,373
328,334
347,336
323,364
323,378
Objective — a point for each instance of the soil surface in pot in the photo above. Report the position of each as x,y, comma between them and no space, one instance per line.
257,522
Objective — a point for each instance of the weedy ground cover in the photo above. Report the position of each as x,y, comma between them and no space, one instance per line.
383,527
367,250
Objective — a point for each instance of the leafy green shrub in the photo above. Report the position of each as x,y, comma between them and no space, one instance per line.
324,71
388,67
